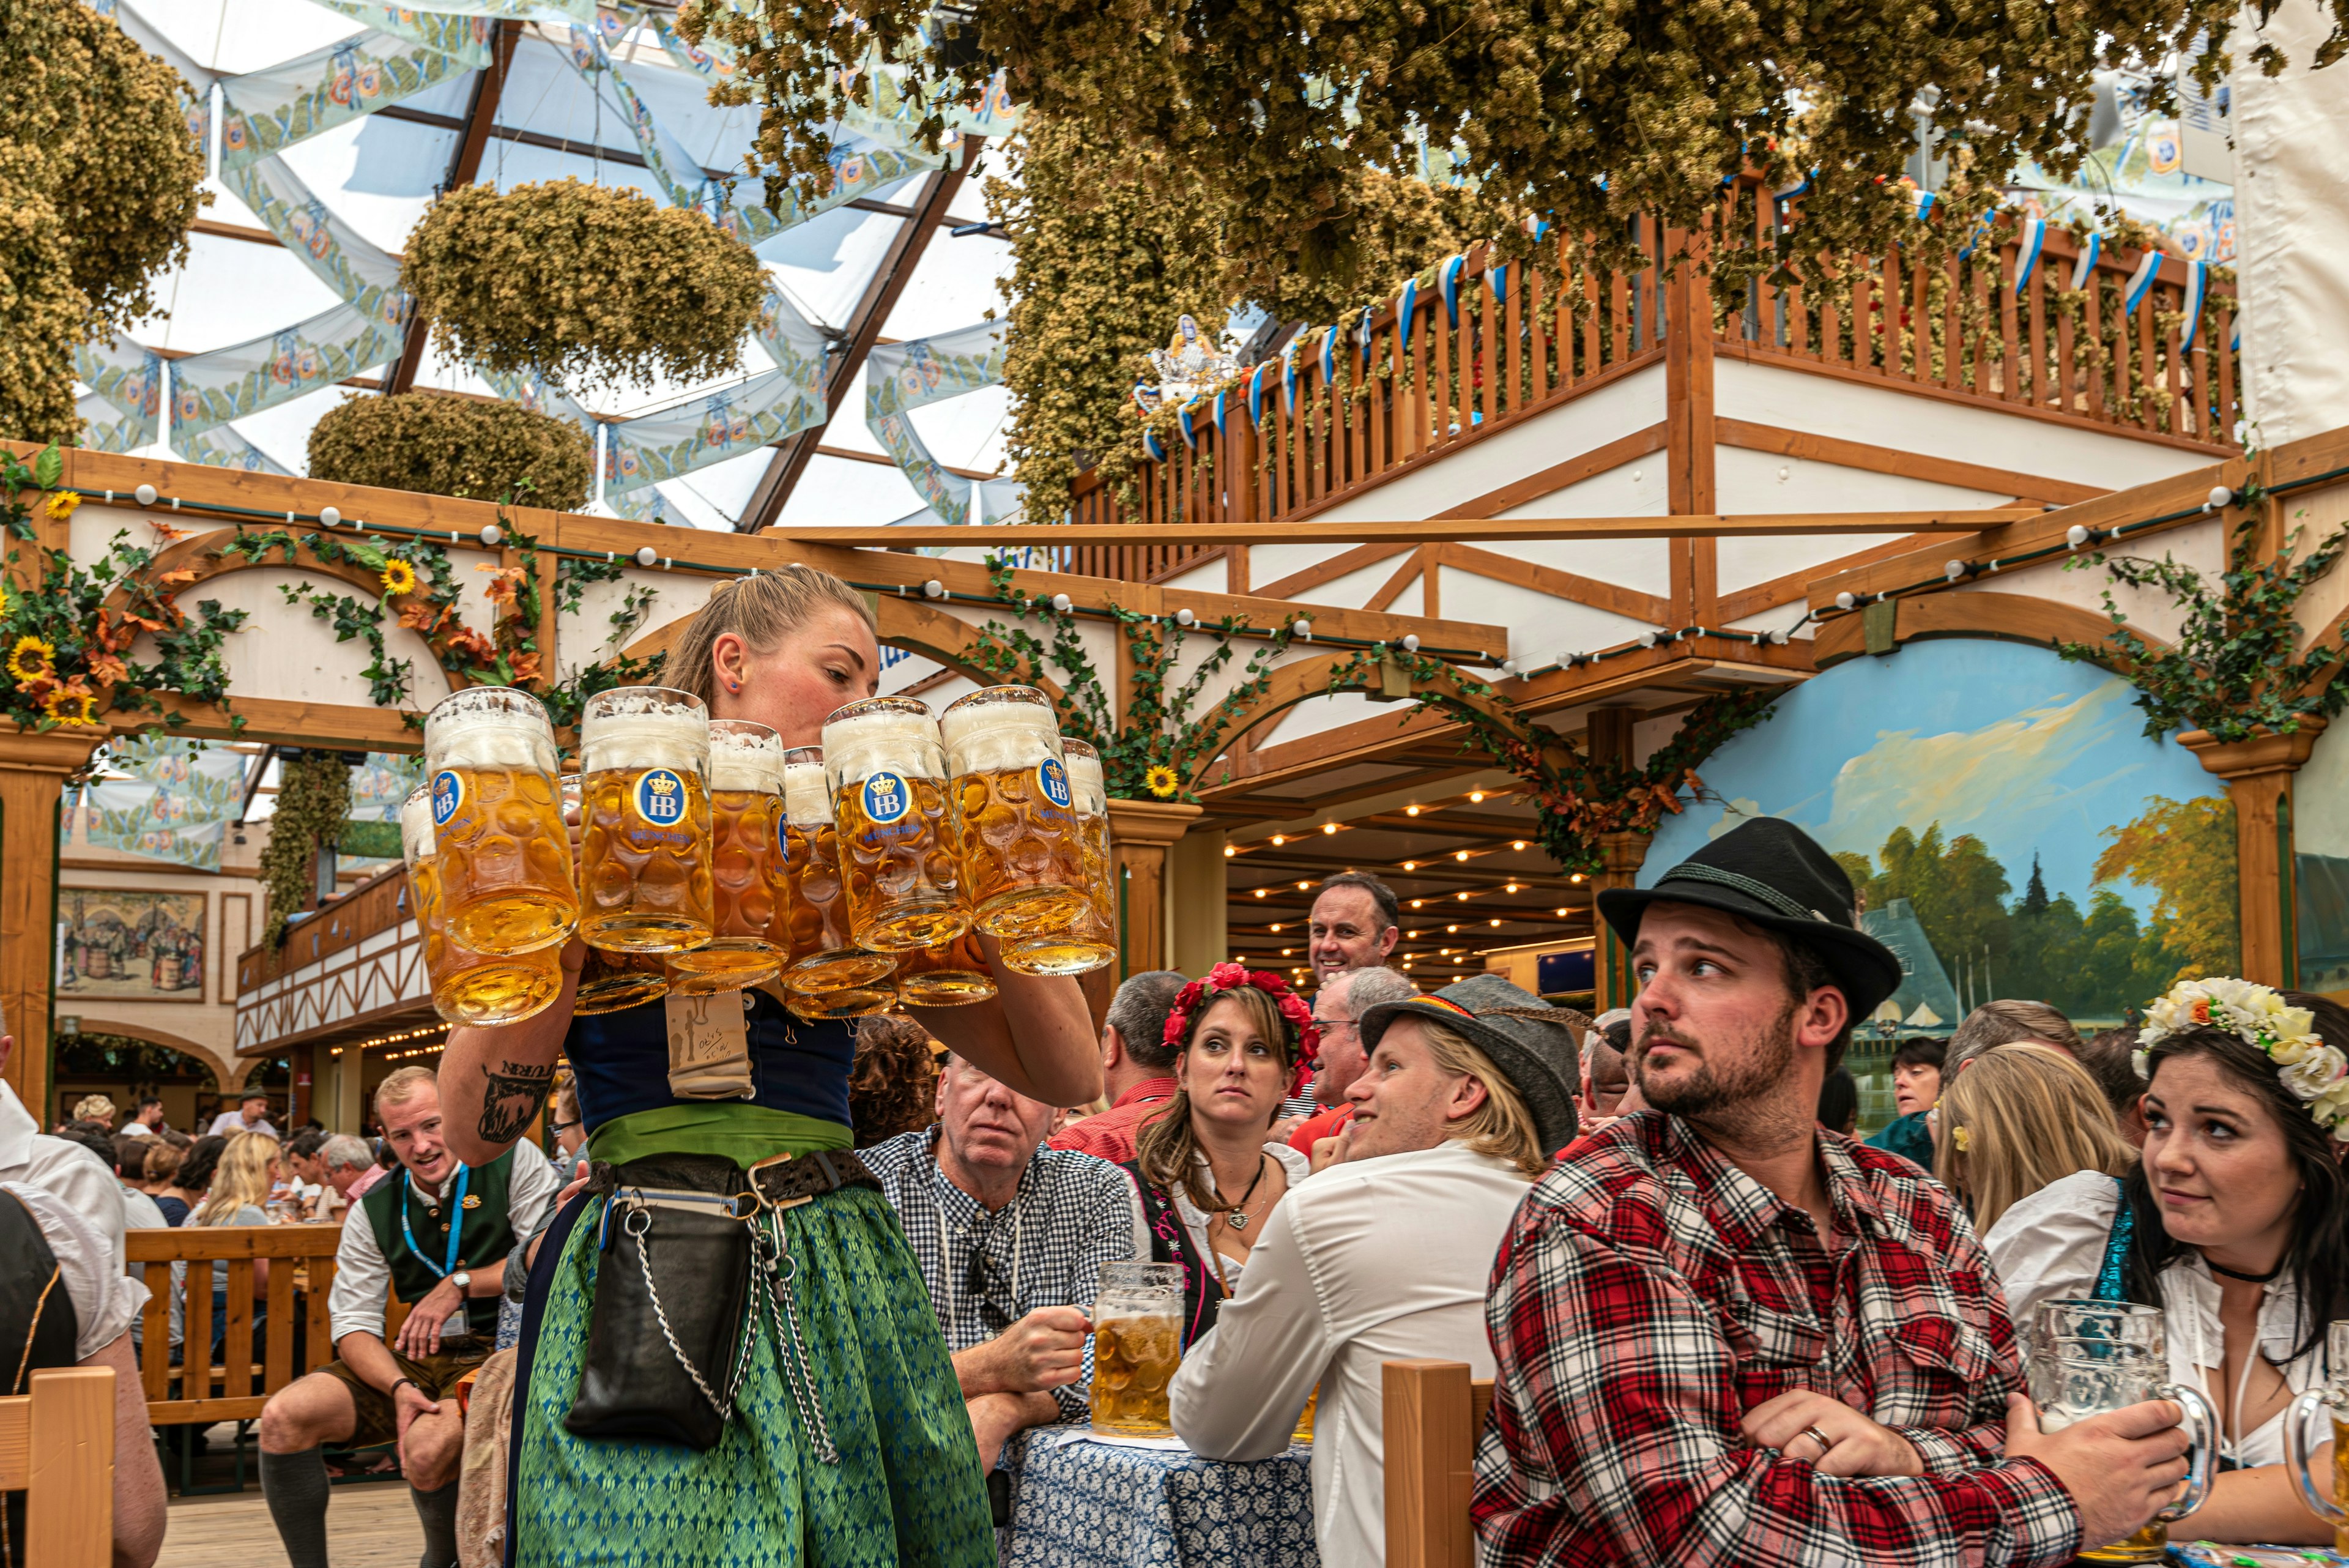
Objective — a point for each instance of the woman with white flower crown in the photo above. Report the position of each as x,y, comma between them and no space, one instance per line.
2236,1223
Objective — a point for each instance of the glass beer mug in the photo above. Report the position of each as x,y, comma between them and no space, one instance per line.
610,982
1015,826
886,768
1137,1345
746,854
644,847
467,987
2094,1356
2329,1503
504,857
811,928
945,976
1089,942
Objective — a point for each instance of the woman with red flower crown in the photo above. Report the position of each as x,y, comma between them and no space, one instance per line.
1209,1168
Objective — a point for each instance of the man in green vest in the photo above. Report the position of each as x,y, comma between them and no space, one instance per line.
437,1234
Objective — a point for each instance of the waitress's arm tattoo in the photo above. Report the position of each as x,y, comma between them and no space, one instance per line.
511,1099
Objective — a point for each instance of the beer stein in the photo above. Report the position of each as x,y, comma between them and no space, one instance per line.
745,856
644,850
608,981
2329,1504
504,857
1089,942
1015,826
1137,1345
886,769
2094,1356
945,976
847,1002
811,925
467,987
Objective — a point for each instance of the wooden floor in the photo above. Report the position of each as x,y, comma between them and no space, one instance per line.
371,1525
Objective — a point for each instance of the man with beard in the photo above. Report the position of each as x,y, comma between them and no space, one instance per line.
1725,1336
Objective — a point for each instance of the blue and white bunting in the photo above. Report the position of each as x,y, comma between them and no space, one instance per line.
1190,432
1496,278
2026,254
2198,283
1362,333
2084,266
1329,357
2140,283
1925,200
1538,227
1405,306
1800,185
1448,275
1215,409
1154,446
1255,393
1289,370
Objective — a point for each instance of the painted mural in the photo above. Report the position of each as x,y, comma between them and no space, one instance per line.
139,947
2320,823
2008,826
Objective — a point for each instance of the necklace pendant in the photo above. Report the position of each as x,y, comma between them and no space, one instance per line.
1238,1220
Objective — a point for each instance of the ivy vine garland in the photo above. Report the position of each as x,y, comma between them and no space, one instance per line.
568,280
437,444
1577,798
1159,746
313,798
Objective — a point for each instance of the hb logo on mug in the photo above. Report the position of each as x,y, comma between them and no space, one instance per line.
660,797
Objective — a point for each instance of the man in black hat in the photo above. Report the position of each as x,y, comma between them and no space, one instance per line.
1387,1255
1725,1336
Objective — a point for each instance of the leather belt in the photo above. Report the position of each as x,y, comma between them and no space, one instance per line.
789,1180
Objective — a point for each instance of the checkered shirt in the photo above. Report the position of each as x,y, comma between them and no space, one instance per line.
1073,1214
1650,1294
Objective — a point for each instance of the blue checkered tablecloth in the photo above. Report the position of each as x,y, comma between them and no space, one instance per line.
1083,1504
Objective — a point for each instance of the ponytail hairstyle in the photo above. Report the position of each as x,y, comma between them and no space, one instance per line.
763,611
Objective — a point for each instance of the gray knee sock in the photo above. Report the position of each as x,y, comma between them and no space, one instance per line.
437,1509
296,1486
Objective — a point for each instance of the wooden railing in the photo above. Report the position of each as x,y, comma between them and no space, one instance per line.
1399,393
294,1341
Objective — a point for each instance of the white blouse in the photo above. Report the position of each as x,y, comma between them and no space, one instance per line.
1195,1221
2052,1246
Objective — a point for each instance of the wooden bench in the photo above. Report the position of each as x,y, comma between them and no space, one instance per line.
208,1391
1434,1410
56,1445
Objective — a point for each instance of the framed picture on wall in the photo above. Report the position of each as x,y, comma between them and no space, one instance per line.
135,946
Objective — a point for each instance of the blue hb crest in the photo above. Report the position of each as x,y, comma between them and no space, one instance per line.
448,797
1053,779
660,797
886,797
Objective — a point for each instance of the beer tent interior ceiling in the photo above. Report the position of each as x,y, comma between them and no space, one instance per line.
377,173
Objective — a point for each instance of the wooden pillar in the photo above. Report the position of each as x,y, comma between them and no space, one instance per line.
1690,487
1609,736
2258,773
33,769
1140,834
1431,1446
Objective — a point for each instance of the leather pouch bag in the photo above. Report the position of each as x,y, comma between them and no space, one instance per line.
632,1386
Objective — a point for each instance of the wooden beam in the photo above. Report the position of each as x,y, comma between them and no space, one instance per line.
1804,445
1426,531
1550,480
852,455
464,168
1688,469
1331,570
1647,608
882,293
1411,571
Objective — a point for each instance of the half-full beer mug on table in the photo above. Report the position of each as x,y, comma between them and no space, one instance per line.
1137,1345
887,772
504,857
813,928
467,987
2328,1502
1015,824
1089,942
643,849
2094,1356
746,862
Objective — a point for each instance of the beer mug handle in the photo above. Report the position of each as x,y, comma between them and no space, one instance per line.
2297,1454
2202,1424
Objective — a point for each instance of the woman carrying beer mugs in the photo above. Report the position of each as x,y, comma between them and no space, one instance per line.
2236,1223
847,1425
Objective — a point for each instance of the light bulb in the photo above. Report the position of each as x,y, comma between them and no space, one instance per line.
1411,864
1410,643
1460,855
647,556
1845,601
1303,629
933,590
146,495
329,517
1229,852
1329,827
1953,569
491,532
2221,496
1476,797
2074,537
1279,839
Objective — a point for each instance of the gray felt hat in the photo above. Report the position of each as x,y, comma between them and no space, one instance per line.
1531,1042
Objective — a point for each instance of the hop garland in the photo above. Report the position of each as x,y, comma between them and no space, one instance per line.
313,798
434,443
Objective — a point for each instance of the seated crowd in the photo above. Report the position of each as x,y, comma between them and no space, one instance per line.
1720,1329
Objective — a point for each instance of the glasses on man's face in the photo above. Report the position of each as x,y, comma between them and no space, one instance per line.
1327,1025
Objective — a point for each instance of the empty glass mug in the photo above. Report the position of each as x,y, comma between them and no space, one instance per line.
1137,1345
2094,1356
2329,1504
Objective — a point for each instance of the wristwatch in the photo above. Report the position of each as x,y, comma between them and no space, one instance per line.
463,1280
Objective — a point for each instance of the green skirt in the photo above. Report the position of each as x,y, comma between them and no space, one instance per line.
906,1493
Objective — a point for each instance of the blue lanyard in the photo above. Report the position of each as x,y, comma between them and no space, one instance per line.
456,1219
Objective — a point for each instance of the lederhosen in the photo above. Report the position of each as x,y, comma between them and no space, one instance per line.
1170,1243
37,1329
418,1251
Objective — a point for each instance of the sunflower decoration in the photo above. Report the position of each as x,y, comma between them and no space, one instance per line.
1160,781
62,503
69,706
399,578
32,660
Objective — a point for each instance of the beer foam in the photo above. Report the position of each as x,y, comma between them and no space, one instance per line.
997,735
807,798
743,759
417,839
1087,789
882,739
630,743
488,740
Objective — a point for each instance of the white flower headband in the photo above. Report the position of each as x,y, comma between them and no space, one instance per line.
2314,1072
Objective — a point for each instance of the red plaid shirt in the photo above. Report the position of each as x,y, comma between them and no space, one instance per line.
1650,1294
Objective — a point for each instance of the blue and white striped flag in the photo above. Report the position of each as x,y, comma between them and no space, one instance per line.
2085,266
2026,254
2140,283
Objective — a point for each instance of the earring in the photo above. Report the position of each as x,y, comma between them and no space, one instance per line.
734,685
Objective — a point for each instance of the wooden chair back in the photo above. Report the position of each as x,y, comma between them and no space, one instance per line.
1434,1411
211,1392
56,1445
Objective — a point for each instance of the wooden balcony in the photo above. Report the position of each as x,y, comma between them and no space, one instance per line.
346,972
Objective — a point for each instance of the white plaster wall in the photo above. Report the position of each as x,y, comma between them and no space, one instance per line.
584,637
283,653
1636,489
1540,628
1759,482
2070,579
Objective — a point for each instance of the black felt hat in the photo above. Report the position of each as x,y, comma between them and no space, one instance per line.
1774,873
1528,1040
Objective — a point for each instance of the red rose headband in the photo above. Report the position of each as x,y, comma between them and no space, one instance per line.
1301,1037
